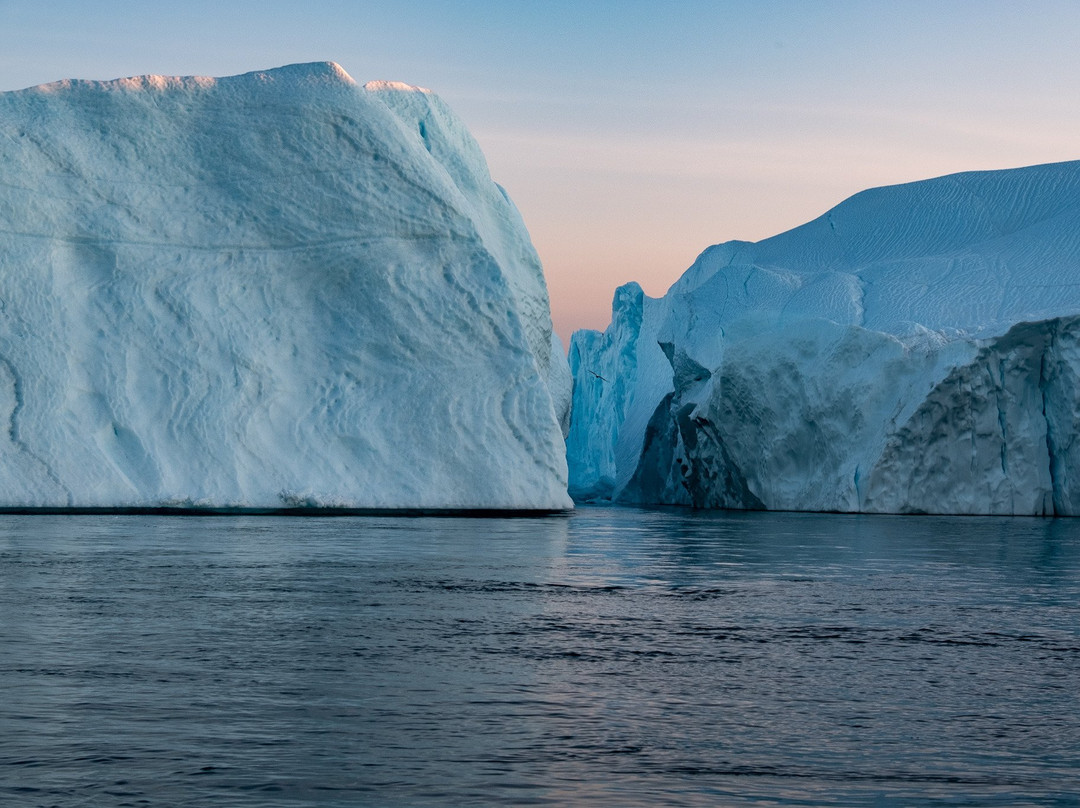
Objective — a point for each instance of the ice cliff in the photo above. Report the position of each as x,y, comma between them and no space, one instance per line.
271,290
915,349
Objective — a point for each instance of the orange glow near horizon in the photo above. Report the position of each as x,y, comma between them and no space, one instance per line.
595,231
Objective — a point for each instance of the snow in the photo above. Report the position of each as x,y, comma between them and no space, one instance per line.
270,290
395,86
915,349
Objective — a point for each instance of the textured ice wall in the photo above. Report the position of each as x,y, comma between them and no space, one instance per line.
913,350
268,290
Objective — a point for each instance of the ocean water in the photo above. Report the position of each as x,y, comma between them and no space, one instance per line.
612,657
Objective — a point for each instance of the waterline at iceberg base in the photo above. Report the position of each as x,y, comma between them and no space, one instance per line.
281,289
914,350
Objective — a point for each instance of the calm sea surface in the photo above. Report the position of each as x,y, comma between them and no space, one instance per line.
613,657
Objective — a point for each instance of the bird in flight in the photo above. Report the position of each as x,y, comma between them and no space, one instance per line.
597,375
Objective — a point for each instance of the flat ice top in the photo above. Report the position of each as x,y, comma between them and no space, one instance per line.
297,76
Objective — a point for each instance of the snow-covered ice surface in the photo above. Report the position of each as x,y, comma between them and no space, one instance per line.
915,349
272,290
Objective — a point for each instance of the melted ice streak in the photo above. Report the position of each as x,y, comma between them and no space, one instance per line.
916,349
268,290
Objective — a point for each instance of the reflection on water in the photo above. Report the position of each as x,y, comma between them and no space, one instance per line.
613,657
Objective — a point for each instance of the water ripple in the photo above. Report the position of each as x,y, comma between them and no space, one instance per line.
612,658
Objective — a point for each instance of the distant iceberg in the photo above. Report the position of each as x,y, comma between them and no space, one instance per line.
914,350
280,289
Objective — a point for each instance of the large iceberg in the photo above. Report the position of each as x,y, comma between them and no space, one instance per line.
915,349
275,290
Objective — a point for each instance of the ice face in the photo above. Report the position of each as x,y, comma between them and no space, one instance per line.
912,350
267,290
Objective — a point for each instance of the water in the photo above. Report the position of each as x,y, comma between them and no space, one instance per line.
609,658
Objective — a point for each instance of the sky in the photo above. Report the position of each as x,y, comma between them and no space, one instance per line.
632,135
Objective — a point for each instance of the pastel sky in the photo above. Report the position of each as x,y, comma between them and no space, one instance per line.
632,134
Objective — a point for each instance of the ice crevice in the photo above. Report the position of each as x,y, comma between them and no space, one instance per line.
15,387
1056,499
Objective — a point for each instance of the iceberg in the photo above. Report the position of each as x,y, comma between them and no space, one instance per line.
914,350
275,290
